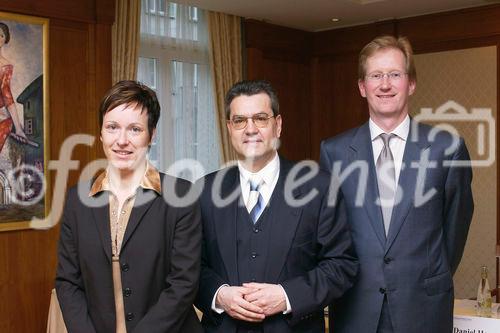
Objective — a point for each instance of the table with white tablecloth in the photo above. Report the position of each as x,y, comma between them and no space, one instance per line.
466,319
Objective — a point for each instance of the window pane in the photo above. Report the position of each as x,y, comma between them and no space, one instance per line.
193,14
147,72
179,21
172,10
195,122
174,62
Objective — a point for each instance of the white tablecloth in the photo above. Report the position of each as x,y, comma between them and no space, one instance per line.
465,318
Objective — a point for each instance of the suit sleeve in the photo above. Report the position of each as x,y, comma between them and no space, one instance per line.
336,266
210,280
176,300
69,284
458,206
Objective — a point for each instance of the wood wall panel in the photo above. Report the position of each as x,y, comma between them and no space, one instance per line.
445,31
68,74
286,65
28,262
279,42
349,41
79,75
90,11
336,104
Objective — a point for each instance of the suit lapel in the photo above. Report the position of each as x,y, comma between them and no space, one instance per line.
284,220
101,219
143,200
361,150
406,183
225,224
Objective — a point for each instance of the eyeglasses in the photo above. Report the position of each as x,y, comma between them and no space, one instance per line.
393,76
260,120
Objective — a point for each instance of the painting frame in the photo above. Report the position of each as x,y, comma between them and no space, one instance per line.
36,143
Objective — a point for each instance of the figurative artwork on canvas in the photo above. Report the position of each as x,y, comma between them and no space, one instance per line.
23,119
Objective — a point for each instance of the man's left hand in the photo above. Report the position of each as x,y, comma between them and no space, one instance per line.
269,297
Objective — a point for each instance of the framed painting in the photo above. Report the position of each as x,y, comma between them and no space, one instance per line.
23,120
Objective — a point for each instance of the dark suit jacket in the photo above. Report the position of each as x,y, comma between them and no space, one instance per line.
310,256
414,266
160,261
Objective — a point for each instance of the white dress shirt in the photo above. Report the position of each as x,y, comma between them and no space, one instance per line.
396,144
269,175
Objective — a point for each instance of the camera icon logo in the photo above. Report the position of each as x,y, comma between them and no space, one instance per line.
451,112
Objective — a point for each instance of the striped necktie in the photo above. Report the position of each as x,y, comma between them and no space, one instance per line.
255,203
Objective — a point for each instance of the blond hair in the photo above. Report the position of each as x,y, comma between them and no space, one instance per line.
383,43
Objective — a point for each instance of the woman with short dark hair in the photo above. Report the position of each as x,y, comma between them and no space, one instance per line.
128,260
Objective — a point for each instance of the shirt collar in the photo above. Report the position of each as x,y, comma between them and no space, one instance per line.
267,173
401,130
151,181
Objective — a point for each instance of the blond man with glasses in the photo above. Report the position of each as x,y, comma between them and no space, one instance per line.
409,245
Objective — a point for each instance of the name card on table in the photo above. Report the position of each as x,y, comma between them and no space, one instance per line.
467,324
465,319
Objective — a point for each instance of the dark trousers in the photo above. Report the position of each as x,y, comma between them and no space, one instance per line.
245,327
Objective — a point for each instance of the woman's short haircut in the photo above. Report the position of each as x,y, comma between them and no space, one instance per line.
130,92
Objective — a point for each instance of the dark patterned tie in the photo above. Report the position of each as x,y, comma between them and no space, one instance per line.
386,177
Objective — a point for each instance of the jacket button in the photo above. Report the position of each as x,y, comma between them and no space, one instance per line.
125,267
254,255
382,290
256,230
127,292
387,260
129,316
